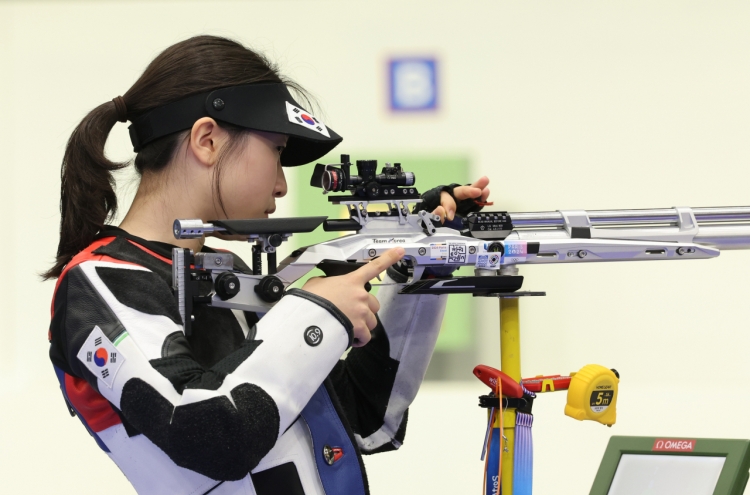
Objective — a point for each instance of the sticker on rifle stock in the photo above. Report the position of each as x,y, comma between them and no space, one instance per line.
438,251
456,253
488,260
515,251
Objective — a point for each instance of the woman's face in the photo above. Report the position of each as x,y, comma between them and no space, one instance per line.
252,178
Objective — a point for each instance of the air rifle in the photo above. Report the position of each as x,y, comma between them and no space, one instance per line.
491,242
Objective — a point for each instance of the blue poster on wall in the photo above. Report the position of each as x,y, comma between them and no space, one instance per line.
413,85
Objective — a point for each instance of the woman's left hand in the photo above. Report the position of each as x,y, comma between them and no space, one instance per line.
478,191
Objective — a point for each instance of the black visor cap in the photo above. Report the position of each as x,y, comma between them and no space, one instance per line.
260,107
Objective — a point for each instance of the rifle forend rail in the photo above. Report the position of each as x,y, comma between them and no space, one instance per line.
720,227
667,216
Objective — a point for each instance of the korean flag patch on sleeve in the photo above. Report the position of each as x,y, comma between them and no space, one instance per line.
101,356
302,117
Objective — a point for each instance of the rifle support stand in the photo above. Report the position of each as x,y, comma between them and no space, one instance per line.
510,364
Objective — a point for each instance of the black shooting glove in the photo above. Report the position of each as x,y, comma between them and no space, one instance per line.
431,200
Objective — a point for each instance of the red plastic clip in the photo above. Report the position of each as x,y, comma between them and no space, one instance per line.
489,376
551,383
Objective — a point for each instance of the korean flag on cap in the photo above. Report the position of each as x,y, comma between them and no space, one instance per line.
302,117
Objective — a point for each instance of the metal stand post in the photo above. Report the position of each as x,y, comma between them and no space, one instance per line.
510,364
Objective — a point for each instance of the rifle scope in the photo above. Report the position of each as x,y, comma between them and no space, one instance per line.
332,178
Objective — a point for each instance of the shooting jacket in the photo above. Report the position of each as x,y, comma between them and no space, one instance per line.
247,404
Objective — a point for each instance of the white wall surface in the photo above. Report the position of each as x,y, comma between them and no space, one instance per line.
567,104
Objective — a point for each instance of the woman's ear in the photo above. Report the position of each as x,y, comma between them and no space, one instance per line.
205,141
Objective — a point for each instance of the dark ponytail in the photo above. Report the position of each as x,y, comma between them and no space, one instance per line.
87,192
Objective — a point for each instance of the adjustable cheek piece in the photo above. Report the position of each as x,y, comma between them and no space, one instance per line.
202,278
199,278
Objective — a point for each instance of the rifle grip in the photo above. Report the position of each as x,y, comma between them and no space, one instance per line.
336,268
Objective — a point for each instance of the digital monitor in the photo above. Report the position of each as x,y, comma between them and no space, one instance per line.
673,466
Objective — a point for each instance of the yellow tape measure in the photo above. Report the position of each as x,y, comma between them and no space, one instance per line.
593,395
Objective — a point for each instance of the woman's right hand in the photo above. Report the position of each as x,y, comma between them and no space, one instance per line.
348,294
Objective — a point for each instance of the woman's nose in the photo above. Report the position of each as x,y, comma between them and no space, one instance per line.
280,190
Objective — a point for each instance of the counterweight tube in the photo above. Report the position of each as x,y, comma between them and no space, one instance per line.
659,216
721,227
